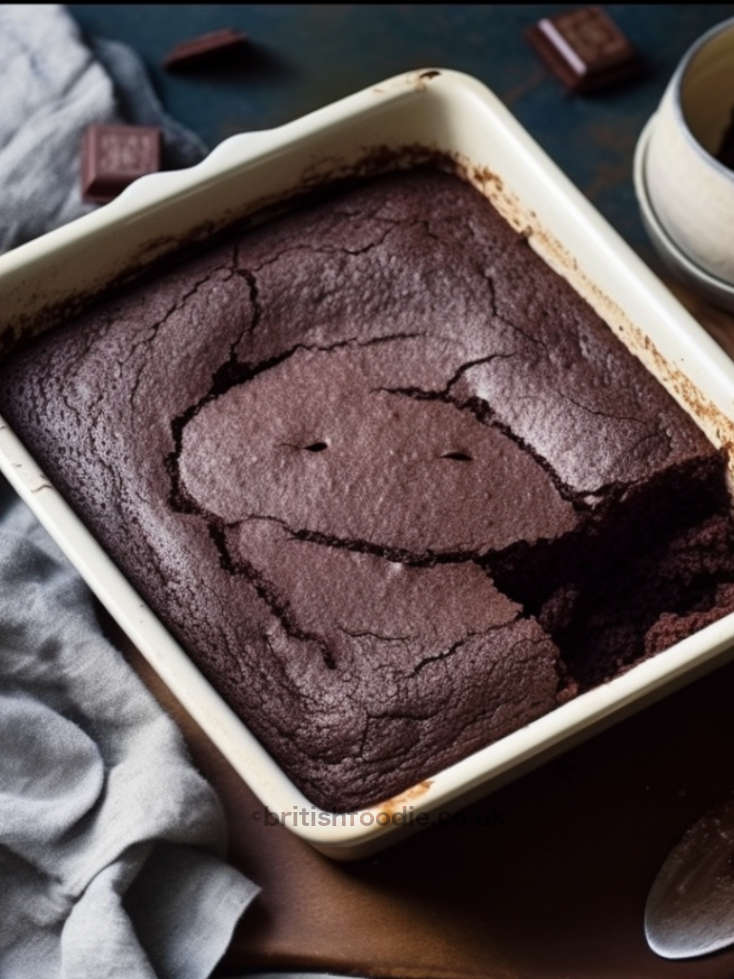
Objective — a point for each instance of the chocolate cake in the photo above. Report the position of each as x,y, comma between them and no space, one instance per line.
393,484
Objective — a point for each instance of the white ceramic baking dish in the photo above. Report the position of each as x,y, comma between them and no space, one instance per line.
441,110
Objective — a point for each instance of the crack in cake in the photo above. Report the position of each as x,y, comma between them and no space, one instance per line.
392,483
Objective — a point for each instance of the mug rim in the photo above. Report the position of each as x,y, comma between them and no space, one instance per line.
676,85
703,279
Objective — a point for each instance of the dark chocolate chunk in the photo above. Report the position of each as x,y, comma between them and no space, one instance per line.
114,156
585,49
205,49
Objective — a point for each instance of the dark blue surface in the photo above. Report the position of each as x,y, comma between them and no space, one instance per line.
305,56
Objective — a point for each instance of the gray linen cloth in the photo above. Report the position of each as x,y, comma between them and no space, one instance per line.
110,841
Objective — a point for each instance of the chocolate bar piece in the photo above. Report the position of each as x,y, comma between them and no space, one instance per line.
206,48
585,49
114,156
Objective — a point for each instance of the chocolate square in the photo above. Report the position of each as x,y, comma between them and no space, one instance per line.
114,156
205,49
585,49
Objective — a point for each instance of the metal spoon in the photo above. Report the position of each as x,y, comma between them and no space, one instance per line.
690,907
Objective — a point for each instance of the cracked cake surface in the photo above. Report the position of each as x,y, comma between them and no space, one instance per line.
385,475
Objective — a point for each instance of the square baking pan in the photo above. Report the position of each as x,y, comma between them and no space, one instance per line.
411,117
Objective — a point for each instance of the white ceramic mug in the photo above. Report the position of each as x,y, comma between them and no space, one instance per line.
692,192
